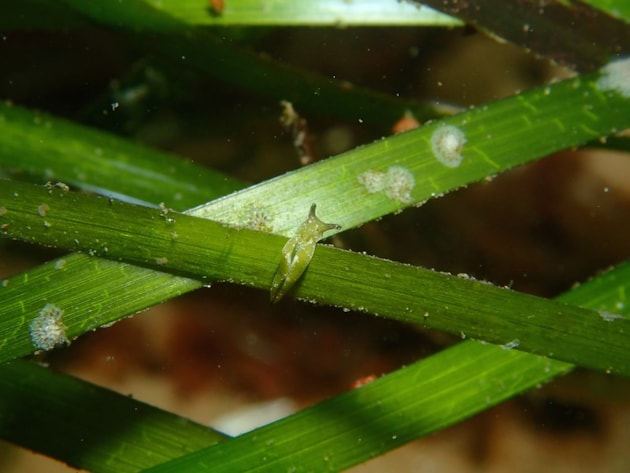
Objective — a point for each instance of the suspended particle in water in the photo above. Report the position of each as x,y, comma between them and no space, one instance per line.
297,253
42,210
47,329
62,186
609,316
447,143
615,77
511,344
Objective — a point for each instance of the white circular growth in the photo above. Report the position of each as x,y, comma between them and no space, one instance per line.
616,77
400,183
447,143
47,329
373,181
397,183
258,218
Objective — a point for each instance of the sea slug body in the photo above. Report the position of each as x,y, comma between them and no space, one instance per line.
297,253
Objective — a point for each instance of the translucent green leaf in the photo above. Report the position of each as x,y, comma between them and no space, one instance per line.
426,396
208,251
340,13
52,149
87,426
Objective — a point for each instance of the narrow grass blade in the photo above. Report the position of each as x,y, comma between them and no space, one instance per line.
49,15
617,8
208,251
91,292
90,427
488,140
379,417
421,399
38,15
339,13
570,33
213,55
597,106
496,137
53,149
412,402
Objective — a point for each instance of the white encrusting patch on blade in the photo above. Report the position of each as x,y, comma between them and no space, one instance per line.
397,183
373,181
47,329
447,143
615,77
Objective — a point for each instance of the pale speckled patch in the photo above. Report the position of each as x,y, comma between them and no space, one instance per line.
47,329
447,143
615,77
397,183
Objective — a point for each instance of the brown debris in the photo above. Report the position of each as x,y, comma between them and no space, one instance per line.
298,127
217,6
407,122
